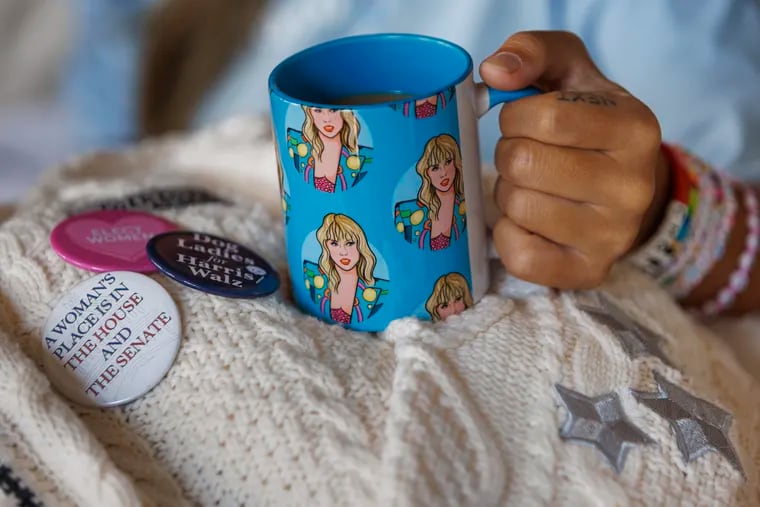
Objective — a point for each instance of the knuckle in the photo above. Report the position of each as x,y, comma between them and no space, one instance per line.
550,119
645,128
519,207
639,193
537,42
516,252
520,261
526,41
571,38
505,114
515,159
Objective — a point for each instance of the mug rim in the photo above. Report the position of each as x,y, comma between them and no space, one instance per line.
275,89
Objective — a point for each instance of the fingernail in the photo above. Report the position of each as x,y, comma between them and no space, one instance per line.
506,60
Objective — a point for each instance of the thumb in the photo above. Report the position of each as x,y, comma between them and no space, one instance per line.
551,60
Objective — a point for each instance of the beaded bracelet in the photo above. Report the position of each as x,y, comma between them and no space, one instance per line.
698,231
712,226
740,277
719,226
659,254
693,237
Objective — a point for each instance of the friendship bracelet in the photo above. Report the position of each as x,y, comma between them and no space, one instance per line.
700,201
712,225
740,277
719,226
695,231
698,230
658,254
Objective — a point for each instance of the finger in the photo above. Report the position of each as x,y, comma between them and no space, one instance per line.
552,60
575,174
534,259
567,223
591,120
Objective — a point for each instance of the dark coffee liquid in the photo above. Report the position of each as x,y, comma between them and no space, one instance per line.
370,98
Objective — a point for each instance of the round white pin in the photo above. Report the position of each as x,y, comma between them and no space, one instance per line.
111,339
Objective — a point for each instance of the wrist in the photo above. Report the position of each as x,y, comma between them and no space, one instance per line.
657,208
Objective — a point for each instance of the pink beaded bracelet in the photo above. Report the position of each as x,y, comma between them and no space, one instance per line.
739,278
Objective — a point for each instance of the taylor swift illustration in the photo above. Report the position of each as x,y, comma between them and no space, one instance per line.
451,295
343,282
326,151
438,215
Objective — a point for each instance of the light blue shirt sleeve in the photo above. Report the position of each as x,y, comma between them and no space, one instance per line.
696,63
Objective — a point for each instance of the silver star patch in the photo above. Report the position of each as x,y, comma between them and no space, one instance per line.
602,423
637,340
699,426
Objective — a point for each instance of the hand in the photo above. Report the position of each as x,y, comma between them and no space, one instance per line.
577,164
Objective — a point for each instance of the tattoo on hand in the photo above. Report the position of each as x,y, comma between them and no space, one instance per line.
587,98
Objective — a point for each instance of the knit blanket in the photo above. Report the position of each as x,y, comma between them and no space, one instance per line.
267,406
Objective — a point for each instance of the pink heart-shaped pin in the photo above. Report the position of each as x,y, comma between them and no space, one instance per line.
108,240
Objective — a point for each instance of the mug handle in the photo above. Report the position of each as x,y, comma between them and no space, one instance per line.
487,97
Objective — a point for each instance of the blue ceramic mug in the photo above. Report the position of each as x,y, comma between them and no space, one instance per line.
377,146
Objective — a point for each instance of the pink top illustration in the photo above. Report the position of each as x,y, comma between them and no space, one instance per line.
427,107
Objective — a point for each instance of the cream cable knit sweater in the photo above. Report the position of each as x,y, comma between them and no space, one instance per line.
265,406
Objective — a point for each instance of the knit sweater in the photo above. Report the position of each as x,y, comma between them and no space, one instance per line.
268,406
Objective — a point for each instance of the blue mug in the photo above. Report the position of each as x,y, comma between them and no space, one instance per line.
378,157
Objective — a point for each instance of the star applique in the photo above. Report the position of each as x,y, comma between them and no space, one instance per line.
637,340
602,423
699,426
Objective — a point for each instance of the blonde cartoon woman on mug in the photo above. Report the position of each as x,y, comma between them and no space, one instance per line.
451,295
343,282
326,151
437,216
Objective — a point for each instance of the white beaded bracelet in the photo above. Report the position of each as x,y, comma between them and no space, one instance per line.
739,278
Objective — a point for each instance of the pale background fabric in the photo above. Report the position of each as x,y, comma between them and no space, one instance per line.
266,406
35,130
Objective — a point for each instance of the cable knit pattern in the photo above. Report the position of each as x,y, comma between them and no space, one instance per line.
267,406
